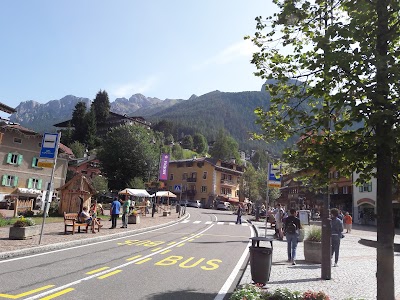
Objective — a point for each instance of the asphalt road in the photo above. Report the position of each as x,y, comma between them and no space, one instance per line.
198,258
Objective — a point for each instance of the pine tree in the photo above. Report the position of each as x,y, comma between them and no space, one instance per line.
101,106
79,122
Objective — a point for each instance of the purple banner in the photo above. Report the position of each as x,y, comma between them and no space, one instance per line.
164,162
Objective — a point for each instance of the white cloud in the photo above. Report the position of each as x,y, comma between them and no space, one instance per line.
244,48
128,89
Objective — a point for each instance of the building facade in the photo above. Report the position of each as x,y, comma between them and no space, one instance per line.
19,174
206,179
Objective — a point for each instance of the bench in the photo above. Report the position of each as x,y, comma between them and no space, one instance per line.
71,220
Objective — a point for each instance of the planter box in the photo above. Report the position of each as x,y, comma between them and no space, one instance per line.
23,233
312,251
134,219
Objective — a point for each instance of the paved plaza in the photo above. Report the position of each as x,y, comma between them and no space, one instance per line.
353,278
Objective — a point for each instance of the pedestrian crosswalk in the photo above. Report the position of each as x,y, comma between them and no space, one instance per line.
211,222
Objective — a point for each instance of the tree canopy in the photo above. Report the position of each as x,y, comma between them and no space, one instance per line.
101,106
225,147
340,58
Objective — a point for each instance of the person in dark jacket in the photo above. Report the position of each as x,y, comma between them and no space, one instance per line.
292,231
337,229
239,214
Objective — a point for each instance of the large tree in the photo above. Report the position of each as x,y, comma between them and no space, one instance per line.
128,152
101,106
91,129
199,143
344,56
79,122
225,147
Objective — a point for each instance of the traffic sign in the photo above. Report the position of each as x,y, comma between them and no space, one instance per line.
49,145
177,188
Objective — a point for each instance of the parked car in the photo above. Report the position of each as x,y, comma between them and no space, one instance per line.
223,205
194,203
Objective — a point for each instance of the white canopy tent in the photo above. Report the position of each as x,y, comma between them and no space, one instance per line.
164,194
135,192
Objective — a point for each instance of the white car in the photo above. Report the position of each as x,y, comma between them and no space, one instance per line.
194,203
223,205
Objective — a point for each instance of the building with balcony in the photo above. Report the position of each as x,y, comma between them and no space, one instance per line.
88,166
206,179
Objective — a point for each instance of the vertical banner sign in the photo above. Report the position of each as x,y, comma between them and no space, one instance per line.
274,176
164,162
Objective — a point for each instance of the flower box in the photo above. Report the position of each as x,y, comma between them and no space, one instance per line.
134,219
23,233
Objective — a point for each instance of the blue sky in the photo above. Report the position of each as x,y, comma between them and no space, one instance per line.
163,49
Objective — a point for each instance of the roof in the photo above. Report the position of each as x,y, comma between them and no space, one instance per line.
213,162
20,128
67,123
66,150
82,179
7,108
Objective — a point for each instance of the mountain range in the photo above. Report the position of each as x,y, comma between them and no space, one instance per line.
206,114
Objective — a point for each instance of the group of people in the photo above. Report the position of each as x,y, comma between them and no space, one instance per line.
290,225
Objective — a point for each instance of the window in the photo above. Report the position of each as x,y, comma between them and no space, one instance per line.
184,176
336,190
366,187
226,191
345,190
9,180
35,161
171,177
14,159
194,175
204,189
35,183
204,175
17,140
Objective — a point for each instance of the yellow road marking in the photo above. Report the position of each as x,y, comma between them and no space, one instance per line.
191,240
180,245
172,243
132,258
143,261
185,237
8,296
166,251
156,249
57,294
109,274
97,270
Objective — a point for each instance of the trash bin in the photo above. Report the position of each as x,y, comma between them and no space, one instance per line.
260,264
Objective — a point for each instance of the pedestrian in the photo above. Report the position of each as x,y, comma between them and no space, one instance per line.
184,208
148,204
125,213
292,231
114,212
336,232
178,209
340,215
239,214
278,221
348,221
153,208
360,217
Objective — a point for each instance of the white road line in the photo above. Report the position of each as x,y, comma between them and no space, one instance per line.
48,292
185,221
208,222
220,223
196,222
225,288
245,224
231,223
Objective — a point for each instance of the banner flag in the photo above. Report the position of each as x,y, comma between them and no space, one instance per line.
164,162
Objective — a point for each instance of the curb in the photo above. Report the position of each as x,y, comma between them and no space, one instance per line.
58,246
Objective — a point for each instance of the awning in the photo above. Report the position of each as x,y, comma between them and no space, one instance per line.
28,192
135,192
164,194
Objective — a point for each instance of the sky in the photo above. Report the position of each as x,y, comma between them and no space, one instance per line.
165,49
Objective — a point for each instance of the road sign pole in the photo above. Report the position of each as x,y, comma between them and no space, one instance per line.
50,186
267,199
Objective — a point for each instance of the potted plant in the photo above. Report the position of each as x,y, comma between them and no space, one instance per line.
134,217
312,244
23,229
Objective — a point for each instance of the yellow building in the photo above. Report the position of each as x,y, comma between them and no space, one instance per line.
206,179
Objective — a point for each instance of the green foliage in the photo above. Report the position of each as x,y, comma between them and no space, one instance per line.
177,152
136,183
283,294
199,143
101,106
128,152
78,149
91,130
5,221
187,142
100,183
225,147
314,234
249,184
253,292
79,122
187,154
24,222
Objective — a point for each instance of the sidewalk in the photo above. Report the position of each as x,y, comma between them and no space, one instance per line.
353,278
54,237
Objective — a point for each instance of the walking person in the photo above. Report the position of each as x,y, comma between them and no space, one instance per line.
292,231
361,217
114,211
278,222
153,208
178,209
239,214
337,229
125,213
348,222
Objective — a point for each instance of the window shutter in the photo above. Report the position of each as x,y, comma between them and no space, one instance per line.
34,162
370,187
20,157
30,183
9,155
4,180
39,186
360,189
16,180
